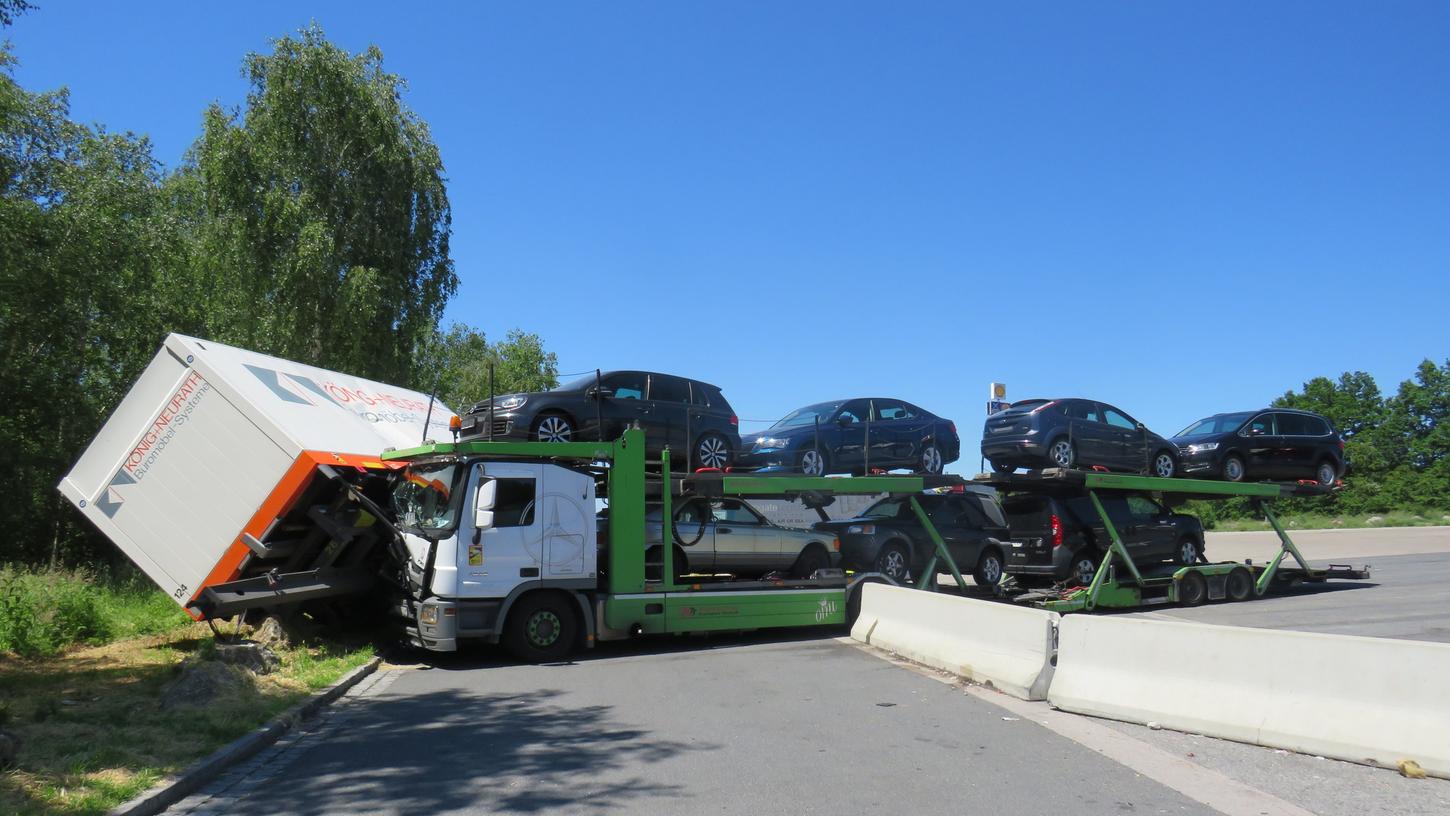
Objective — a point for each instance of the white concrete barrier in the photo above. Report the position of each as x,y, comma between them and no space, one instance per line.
1361,699
1005,646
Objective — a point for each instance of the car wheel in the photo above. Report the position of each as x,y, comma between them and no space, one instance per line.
1061,453
1002,467
541,628
1163,465
931,460
553,428
1239,586
1083,570
1192,589
813,462
1186,553
1233,468
1326,473
988,572
894,561
712,451
811,559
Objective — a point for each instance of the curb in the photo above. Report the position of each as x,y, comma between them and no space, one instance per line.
173,789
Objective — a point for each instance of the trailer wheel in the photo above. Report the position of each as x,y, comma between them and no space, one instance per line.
1239,586
1192,589
541,628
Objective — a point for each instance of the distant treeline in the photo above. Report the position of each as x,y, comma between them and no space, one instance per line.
311,223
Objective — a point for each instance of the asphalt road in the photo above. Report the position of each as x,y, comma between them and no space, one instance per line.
732,726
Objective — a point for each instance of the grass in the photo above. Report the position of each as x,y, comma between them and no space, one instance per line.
91,730
1325,521
45,611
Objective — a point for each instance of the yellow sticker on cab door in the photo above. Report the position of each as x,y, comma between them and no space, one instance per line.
475,554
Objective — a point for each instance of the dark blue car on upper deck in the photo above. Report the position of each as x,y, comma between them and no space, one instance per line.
852,436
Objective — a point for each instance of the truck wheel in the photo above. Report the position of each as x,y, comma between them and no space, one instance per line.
989,569
894,561
811,559
541,628
1192,589
1239,586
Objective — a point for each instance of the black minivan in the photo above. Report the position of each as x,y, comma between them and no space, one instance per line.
686,415
1274,443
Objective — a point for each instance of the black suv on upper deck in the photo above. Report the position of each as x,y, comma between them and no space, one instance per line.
1275,443
686,415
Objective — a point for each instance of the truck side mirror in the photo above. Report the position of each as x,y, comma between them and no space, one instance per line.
483,501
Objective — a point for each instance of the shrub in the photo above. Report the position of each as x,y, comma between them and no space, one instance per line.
42,612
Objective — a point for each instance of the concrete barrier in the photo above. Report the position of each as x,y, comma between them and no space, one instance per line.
1005,646
1373,700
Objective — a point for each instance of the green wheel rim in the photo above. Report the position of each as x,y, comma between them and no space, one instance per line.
544,628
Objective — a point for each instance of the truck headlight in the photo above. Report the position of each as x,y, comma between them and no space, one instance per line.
429,615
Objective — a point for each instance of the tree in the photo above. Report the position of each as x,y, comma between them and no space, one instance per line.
1419,416
319,217
10,9
455,365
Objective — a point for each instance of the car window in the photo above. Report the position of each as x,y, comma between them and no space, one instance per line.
734,512
887,410
626,385
1261,425
706,395
1118,419
1143,507
854,411
942,512
513,504
988,508
1295,425
1318,426
887,509
665,388
1077,409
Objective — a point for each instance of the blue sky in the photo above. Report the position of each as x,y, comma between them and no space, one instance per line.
1180,210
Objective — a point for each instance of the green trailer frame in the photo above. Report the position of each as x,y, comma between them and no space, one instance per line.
1194,583
632,603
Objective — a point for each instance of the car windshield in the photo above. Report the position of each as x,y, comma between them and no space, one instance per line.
578,385
425,499
886,509
808,415
1223,423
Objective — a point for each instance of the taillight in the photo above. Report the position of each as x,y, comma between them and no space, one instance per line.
734,420
953,426
836,544
1341,444
1055,525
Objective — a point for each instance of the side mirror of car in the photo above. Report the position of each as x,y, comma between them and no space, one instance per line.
601,393
483,501
843,421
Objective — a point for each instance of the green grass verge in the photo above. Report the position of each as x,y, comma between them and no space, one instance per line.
45,611
1324,521
91,729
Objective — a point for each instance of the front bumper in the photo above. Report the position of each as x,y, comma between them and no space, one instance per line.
1200,463
506,425
757,459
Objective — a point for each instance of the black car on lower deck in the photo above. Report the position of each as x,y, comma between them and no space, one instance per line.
853,436
1066,433
686,415
888,537
1272,443
1063,538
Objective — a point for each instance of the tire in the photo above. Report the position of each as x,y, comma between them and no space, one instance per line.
1083,569
1185,552
1326,474
1062,453
712,451
988,572
931,460
1002,467
894,561
541,628
814,463
1232,469
1164,465
553,428
812,558
1192,589
654,559
1239,586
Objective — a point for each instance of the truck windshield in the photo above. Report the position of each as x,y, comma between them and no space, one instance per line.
425,499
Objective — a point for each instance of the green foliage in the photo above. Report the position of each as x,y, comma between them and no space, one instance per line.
44,611
10,9
454,365
324,201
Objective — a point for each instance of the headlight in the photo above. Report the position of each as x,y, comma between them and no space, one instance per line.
510,403
861,529
771,442
1201,448
429,615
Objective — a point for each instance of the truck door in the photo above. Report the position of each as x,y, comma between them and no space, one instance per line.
499,557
